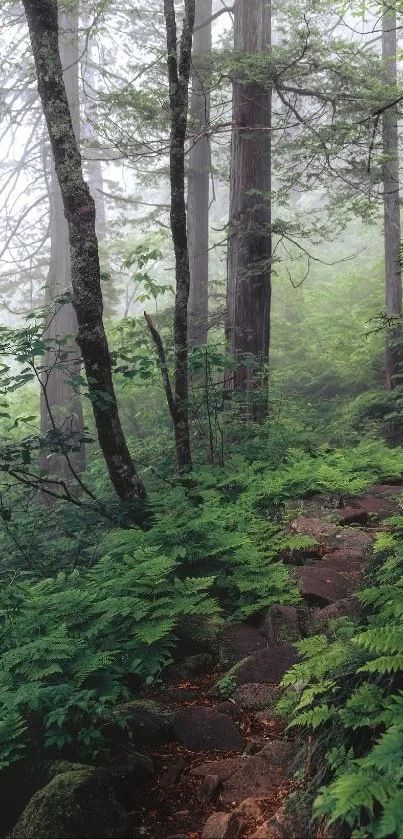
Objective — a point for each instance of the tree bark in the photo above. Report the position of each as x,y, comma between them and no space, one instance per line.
249,246
199,167
178,76
60,404
79,209
391,202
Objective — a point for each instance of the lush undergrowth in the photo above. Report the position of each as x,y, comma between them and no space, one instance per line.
350,695
75,642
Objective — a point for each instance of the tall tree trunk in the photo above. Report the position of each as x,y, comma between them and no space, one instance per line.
93,161
199,167
249,246
79,209
391,202
178,76
61,407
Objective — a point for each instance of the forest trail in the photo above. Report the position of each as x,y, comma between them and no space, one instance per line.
231,763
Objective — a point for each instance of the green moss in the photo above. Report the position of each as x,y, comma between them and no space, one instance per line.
76,803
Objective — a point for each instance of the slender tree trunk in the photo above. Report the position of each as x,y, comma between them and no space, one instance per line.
199,167
391,202
61,407
178,76
249,247
79,209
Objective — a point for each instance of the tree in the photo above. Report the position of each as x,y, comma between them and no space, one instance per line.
249,244
179,63
61,406
199,166
391,200
79,209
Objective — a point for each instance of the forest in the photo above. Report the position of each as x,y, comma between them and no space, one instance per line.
201,419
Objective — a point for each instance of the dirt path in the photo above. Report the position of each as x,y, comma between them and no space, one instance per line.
229,765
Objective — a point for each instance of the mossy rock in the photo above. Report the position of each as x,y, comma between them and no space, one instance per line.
77,804
149,722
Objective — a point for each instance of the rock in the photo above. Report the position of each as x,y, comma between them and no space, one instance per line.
258,775
79,804
318,528
250,809
190,666
280,826
223,826
352,539
211,786
343,560
196,634
256,696
222,769
268,665
280,625
352,515
300,556
239,640
149,722
348,607
382,507
226,707
173,773
254,776
320,586
278,753
203,729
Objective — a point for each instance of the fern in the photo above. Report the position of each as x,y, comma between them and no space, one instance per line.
354,685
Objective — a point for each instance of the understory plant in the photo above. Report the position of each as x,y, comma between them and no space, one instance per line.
348,693
71,644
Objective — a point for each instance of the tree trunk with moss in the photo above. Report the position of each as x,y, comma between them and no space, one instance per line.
79,209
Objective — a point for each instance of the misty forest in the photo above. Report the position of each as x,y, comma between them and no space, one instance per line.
201,419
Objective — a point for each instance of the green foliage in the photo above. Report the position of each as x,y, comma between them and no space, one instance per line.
351,695
68,644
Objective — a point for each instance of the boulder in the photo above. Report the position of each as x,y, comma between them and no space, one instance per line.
211,786
348,607
382,507
317,528
204,729
344,560
280,626
190,666
226,707
280,826
78,804
250,809
173,774
196,634
256,696
241,777
354,514
320,586
239,640
351,538
149,722
268,666
223,826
